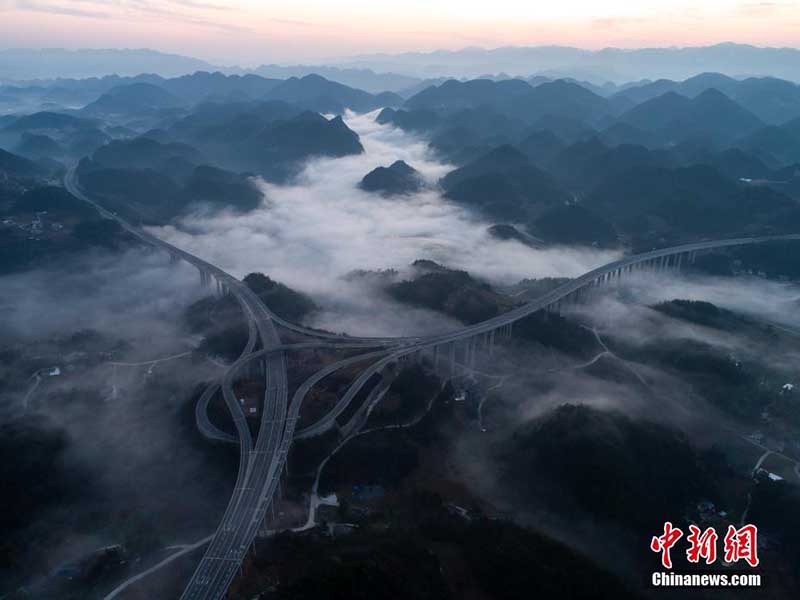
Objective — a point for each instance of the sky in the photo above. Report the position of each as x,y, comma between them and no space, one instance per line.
250,32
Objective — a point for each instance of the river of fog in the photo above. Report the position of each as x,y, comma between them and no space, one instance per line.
322,227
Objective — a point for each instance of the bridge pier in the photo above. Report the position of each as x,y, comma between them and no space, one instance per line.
452,358
473,344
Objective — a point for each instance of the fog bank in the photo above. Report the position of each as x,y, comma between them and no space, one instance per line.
311,233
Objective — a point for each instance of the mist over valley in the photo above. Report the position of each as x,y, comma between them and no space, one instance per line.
461,323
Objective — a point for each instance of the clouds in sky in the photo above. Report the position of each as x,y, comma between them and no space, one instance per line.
253,31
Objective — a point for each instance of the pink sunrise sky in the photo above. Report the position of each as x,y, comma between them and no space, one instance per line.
250,31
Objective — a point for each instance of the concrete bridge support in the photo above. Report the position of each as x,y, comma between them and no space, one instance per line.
473,346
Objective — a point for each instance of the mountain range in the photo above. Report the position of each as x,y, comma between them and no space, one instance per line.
408,73
25,64
565,160
618,65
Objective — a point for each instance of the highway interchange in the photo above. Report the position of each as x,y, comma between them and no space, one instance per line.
262,461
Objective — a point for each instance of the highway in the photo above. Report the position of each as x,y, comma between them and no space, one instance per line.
206,269
204,424
257,482
484,331
257,461
262,461
181,551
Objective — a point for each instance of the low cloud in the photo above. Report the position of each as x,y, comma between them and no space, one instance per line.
312,232
115,293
